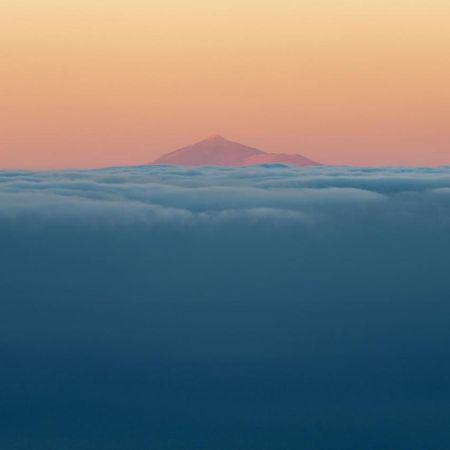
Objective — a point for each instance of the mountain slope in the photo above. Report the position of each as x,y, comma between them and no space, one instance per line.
283,158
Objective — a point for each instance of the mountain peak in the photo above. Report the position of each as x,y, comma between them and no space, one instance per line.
215,137
215,150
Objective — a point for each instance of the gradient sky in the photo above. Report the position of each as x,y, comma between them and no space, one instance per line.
90,83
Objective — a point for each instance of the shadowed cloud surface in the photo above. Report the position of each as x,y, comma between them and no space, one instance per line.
263,307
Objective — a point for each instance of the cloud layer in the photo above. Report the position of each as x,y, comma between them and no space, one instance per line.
208,196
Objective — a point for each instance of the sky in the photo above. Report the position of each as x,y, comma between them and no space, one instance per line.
97,83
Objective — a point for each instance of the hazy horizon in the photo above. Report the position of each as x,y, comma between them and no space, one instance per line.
144,163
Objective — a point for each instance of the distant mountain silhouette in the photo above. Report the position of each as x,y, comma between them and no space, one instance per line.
218,151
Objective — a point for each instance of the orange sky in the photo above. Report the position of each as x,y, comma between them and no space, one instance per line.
103,82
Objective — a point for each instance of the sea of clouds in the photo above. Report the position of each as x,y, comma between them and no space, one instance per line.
211,196
257,308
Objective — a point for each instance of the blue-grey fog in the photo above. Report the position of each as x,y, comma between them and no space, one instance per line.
263,307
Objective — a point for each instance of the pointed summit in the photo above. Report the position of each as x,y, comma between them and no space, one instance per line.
219,151
215,137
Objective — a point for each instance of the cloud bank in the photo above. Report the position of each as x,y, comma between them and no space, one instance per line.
209,196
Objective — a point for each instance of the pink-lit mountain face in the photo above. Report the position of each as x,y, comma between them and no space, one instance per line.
218,151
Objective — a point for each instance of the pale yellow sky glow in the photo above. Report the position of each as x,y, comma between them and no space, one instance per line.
93,83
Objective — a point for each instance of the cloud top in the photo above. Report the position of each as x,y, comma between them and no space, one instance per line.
209,196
